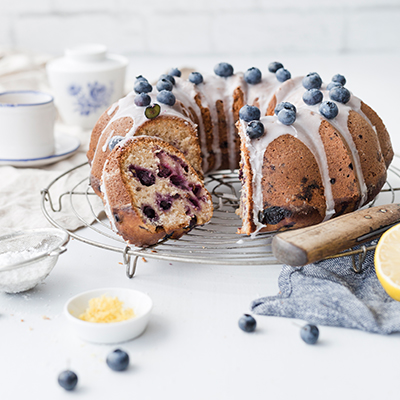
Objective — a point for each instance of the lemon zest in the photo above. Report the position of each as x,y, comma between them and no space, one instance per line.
106,309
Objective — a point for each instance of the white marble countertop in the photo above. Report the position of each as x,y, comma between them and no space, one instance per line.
193,348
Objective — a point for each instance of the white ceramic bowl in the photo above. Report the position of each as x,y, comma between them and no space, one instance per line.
111,332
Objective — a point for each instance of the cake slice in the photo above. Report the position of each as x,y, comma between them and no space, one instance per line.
150,192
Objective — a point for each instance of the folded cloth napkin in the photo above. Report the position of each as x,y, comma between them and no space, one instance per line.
331,293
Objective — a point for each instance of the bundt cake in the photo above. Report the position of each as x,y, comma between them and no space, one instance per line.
308,151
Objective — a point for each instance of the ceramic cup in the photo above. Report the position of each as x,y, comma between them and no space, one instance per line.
86,81
27,125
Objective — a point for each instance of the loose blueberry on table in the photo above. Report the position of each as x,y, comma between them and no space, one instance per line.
118,360
68,380
247,323
309,333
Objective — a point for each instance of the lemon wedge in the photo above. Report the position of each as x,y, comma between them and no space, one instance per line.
387,261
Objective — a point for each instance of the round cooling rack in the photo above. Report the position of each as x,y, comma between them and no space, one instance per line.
214,243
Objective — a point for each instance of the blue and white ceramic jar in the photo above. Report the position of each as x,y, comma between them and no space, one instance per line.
85,82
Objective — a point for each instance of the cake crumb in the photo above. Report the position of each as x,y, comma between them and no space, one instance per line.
144,260
44,317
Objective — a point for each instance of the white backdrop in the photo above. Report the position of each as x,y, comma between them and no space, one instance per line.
203,27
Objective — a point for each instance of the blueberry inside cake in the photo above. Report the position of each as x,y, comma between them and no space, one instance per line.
151,192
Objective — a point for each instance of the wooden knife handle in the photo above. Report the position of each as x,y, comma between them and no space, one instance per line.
311,244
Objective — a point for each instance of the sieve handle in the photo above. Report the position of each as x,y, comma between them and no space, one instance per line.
314,243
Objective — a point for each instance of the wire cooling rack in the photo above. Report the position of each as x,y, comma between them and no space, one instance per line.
214,243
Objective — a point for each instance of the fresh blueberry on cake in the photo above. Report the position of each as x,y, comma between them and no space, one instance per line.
312,81
114,141
340,94
274,66
142,100
167,77
223,69
166,97
164,84
312,97
253,76
328,109
142,86
339,78
255,129
152,111
283,75
286,117
175,72
331,85
249,113
286,105
196,78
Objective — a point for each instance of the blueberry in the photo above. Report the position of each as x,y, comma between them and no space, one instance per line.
247,323
273,215
332,85
223,69
274,66
309,333
168,78
118,360
165,205
164,171
142,86
312,81
145,176
284,104
166,97
283,75
196,77
253,76
164,84
255,129
339,78
312,97
141,78
149,213
340,94
328,109
287,117
178,181
249,113
152,111
114,141
68,380
142,100
175,72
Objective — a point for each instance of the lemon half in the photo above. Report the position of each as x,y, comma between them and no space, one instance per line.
387,261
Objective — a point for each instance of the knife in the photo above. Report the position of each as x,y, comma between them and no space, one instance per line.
314,243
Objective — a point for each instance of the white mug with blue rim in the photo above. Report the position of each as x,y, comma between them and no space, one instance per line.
27,125
85,82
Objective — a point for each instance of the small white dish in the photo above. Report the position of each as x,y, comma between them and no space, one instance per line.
111,332
27,257
64,147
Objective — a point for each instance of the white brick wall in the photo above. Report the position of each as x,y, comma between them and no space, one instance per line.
203,27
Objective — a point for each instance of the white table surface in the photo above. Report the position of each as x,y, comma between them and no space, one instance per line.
193,348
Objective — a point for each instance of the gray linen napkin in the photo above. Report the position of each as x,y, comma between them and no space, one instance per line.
331,293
